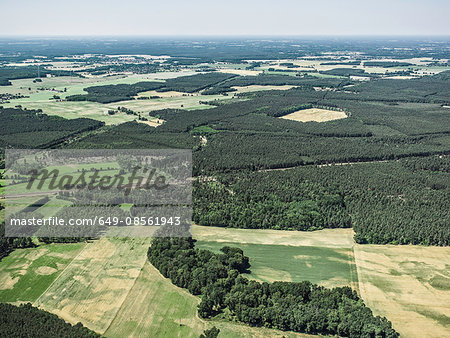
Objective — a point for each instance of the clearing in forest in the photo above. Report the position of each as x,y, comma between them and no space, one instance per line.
324,257
409,285
315,114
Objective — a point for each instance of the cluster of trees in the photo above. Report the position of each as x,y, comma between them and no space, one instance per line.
387,64
195,83
33,129
347,72
395,202
123,92
274,79
254,151
132,135
268,201
114,93
8,244
299,307
136,68
28,321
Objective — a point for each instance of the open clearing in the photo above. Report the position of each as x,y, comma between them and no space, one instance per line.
409,285
26,273
315,114
257,88
330,238
324,257
95,284
158,308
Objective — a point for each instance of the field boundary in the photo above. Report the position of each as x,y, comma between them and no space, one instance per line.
35,303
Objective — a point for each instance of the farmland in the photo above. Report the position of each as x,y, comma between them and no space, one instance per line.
94,286
315,114
407,284
26,273
320,185
324,257
155,305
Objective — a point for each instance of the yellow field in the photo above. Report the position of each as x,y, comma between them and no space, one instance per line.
330,238
409,285
152,123
315,114
257,88
95,284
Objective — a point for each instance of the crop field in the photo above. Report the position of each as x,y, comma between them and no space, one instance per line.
409,285
315,114
257,88
40,96
291,256
26,273
155,305
95,284
329,267
330,238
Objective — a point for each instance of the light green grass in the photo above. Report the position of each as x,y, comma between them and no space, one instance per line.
321,265
20,274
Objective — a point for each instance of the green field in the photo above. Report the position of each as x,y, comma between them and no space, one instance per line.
26,273
39,96
325,266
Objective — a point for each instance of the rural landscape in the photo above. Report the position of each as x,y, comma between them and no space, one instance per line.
317,202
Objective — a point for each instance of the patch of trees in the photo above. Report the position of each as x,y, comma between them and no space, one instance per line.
387,64
299,307
349,63
135,135
396,202
195,83
8,244
114,93
428,89
136,68
26,320
274,80
26,72
265,201
346,72
33,129
122,92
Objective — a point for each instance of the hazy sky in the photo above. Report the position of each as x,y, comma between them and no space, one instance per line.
225,17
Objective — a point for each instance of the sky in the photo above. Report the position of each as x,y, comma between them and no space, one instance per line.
224,18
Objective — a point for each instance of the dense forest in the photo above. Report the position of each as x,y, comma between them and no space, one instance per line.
28,321
401,195
12,73
33,129
113,93
299,307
